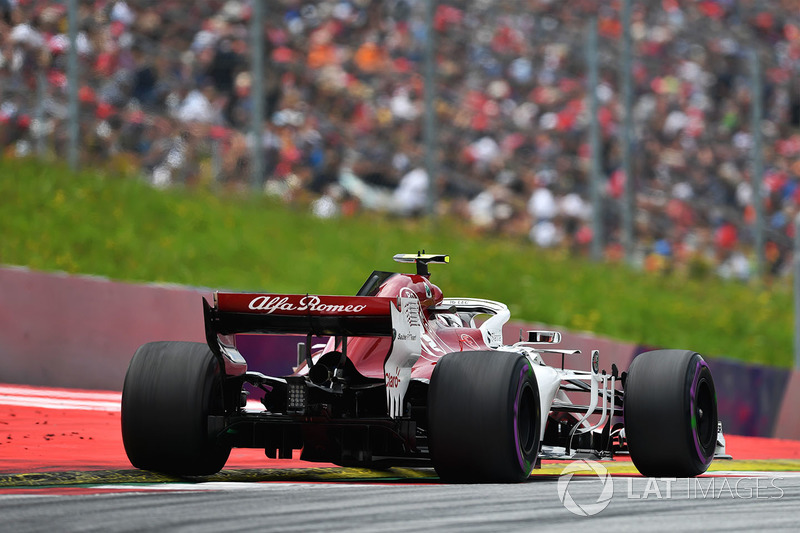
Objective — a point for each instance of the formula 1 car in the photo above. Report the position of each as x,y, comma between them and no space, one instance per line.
408,377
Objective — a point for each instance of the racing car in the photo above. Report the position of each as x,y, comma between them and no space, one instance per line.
408,377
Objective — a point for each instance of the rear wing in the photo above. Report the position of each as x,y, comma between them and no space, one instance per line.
347,316
231,313
356,316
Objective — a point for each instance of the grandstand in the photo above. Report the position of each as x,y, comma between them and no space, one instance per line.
165,93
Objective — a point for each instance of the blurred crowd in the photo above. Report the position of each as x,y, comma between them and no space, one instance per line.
165,92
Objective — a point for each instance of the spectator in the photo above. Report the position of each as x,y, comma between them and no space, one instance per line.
167,84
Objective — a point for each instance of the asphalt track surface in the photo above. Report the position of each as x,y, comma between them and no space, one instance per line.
352,506
57,480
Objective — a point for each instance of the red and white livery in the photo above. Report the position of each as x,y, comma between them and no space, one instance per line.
409,377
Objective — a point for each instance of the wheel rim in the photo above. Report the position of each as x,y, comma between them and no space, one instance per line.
703,415
526,425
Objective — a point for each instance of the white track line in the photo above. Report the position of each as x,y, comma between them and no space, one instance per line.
43,392
58,403
47,398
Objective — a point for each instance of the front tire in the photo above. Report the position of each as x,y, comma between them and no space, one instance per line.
670,413
484,417
170,390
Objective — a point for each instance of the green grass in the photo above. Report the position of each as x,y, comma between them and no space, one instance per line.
121,228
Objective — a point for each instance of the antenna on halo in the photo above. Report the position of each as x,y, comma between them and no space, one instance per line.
422,259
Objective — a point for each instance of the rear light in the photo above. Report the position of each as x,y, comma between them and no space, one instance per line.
297,397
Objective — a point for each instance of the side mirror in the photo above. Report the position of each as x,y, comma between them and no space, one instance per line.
544,337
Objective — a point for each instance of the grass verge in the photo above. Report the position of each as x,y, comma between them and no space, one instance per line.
93,223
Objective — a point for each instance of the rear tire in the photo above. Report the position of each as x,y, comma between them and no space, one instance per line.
670,414
170,390
484,417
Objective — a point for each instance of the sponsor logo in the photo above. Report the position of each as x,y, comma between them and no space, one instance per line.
392,381
406,337
431,343
494,338
405,292
306,303
469,342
